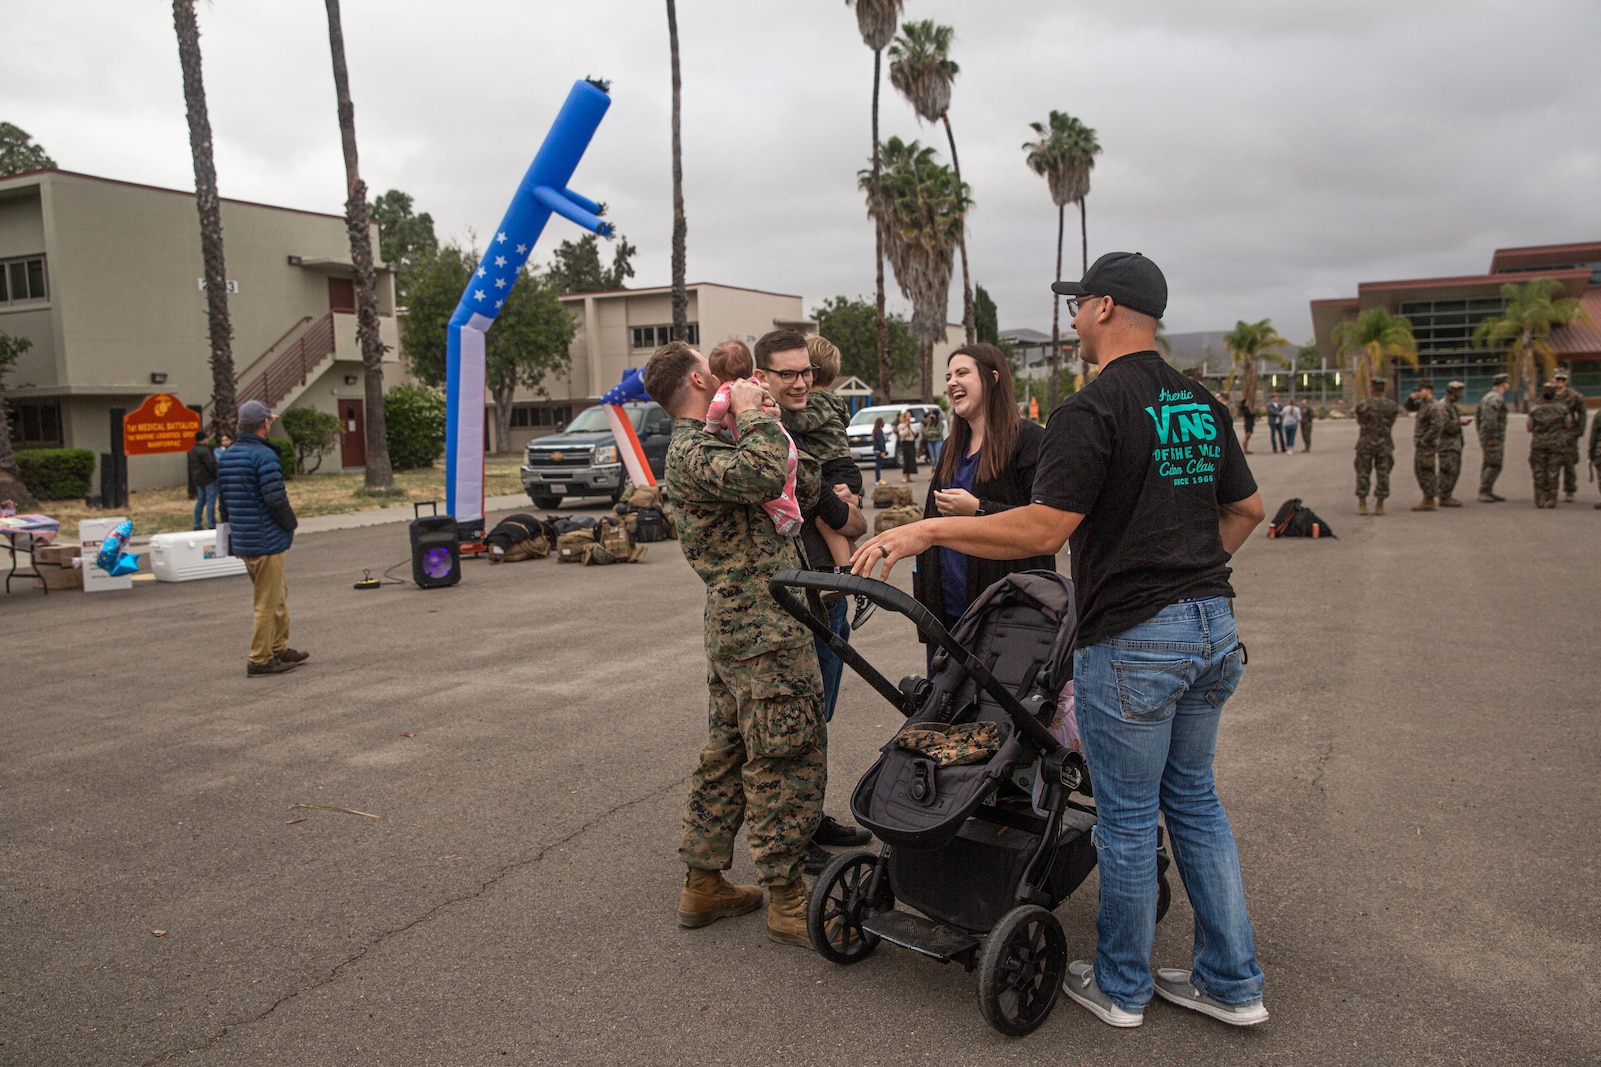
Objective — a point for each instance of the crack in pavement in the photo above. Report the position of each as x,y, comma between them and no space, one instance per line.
387,935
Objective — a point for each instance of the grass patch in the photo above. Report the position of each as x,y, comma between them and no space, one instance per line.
169,510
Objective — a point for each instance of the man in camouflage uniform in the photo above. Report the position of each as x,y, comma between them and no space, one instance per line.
765,760
1550,424
1425,443
1491,419
1375,446
1573,401
1595,446
1449,450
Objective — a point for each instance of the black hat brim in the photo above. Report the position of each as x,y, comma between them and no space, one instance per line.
1069,289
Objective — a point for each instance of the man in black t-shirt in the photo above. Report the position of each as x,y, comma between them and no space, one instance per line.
1142,473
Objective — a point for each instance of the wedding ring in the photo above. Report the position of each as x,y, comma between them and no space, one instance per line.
884,550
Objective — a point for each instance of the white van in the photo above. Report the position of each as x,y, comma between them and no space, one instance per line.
860,429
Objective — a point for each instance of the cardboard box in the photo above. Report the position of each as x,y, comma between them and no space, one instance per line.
60,553
54,576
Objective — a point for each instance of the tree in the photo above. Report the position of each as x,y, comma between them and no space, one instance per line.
922,70
532,338
1064,155
680,226
18,153
1523,330
920,210
225,413
986,317
403,238
313,433
575,266
876,20
853,327
1248,344
11,487
1371,341
380,477
437,282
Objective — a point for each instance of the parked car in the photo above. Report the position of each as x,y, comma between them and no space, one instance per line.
860,430
581,459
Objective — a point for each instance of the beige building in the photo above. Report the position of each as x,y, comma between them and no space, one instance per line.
112,296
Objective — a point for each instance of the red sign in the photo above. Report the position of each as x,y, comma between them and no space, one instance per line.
162,424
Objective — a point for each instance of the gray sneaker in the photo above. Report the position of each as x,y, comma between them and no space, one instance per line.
1080,986
1173,985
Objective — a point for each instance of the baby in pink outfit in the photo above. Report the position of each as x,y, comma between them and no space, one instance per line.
785,510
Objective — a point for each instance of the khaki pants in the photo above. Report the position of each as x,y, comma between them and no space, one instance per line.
271,634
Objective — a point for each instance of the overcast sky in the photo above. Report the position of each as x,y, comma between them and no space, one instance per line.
1263,152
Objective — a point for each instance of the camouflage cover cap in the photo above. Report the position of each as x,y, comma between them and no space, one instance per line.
1561,375
1501,379
1456,387
1424,383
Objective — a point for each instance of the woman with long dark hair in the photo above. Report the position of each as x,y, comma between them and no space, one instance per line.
880,450
987,466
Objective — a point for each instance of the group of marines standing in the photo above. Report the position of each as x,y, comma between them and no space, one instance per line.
1556,422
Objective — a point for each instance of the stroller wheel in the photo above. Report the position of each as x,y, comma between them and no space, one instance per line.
1164,896
837,906
1021,969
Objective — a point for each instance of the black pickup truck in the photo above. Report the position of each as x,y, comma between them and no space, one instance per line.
581,459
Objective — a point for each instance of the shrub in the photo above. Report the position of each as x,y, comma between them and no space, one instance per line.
314,433
57,473
414,423
287,456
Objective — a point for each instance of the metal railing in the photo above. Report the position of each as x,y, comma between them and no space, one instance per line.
293,367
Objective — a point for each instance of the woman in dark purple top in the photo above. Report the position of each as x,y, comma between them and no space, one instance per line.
986,467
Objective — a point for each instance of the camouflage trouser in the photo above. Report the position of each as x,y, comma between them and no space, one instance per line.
1450,471
1570,467
765,762
1377,463
1494,454
1546,463
1423,465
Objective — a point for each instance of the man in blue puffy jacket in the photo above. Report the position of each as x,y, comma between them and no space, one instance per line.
250,488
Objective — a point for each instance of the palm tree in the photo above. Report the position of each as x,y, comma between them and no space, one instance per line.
1523,330
1248,344
919,211
225,414
680,227
921,69
1064,155
876,19
379,476
1372,340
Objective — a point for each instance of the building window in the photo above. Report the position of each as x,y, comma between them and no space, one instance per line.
22,279
534,416
35,424
656,336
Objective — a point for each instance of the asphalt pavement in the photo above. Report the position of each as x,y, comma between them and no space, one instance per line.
1409,766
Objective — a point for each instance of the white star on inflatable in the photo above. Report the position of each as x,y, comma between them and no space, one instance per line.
500,283
498,303
501,237
521,249
500,261
479,295
482,272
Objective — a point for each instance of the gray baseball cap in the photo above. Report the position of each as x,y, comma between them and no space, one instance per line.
254,411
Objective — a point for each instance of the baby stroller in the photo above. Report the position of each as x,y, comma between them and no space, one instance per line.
971,798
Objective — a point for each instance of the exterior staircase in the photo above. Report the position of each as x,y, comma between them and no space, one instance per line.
278,380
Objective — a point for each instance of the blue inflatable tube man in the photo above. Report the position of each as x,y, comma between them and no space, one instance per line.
543,191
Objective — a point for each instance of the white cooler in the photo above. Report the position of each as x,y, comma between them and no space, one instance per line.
186,557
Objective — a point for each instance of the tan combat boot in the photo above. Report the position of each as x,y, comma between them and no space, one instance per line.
708,896
1378,507
786,914
1361,505
1427,505
1487,498
1450,502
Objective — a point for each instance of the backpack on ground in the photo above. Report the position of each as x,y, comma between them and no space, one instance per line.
890,518
891,496
649,524
519,537
1294,519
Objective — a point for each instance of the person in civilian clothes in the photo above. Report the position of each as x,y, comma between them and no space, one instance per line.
203,476
988,469
1141,470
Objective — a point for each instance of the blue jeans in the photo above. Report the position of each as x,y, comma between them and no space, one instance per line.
832,666
933,452
1148,703
206,500
1275,432
878,466
1289,438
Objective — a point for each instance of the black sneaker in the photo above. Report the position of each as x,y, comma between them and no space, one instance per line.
289,655
816,858
272,666
838,835
864,611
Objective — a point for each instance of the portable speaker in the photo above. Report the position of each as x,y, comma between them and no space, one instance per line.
435,552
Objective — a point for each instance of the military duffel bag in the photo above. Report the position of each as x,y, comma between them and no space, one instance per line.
892,496
890,518
570,546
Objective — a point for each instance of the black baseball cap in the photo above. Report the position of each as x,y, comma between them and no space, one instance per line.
1127,277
